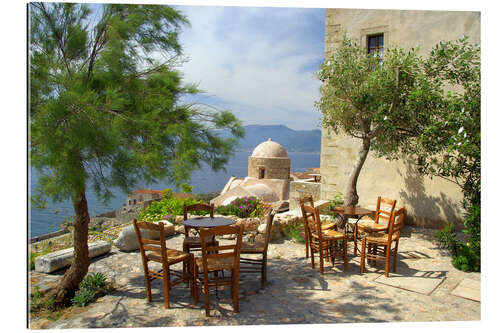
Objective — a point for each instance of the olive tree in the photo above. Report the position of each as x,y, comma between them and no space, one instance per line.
105,109
381,102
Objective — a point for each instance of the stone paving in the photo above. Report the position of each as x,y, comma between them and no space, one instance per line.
295,294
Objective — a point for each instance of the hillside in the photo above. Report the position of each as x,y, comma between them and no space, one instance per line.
298,141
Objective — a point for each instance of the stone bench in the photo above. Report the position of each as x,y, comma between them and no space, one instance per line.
56,260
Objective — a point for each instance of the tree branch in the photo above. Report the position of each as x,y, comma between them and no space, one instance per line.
58,37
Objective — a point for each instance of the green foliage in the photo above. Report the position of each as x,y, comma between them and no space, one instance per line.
382,103
167,193
295,231
447,237
39,303
241,207
185,188
92,287
97,116
105,107
466,259
450,145
167,208
466,255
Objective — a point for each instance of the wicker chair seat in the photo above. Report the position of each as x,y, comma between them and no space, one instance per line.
372,227
250,248
172,255
216,264
378,238
332,235
328,226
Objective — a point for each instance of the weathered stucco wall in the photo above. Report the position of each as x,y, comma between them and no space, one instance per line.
429,202
300,189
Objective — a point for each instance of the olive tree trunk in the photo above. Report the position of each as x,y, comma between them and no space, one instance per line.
68,284
351,194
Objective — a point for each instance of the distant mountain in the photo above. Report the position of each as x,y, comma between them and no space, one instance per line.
291,140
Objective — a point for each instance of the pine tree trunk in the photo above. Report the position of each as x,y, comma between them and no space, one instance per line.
351,195
68,284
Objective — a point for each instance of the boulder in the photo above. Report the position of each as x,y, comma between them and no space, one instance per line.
275,231
179,219
127,240
179,229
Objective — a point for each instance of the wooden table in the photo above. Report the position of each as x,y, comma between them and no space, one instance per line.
352,212
208,222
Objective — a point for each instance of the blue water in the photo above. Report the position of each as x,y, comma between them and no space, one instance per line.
204,181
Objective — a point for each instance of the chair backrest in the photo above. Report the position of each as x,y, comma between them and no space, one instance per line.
312,222
396,223
382,212
306,215
158,246
219,251
195,207
269,227
307,200
198,206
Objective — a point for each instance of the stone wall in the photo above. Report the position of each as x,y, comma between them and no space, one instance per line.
300,189
429,202
275,168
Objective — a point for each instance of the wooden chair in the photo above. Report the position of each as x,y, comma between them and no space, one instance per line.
372,241
382,214
216,258
308,200
193,243
158,252
248,265
323,242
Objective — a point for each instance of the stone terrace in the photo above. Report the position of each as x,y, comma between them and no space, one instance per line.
425,288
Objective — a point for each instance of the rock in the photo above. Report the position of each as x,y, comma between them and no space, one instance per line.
56,260
179,229
127,240
249,238
179,219
275,231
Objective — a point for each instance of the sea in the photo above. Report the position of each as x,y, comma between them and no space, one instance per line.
205,180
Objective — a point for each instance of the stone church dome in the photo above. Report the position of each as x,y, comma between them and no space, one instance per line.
270,149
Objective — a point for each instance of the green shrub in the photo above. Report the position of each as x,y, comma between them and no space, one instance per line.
83,297
466,259
295,231
185,188
241,207
169,205
466,256
447,237
92,286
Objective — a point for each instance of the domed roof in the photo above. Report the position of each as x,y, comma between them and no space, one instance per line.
269,148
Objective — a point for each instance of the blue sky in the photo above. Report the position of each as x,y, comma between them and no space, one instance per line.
259,63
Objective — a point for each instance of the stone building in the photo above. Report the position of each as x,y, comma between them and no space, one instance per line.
139,196
429,202
269,160
268,176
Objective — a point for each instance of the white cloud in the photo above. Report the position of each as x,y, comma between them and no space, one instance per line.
259,62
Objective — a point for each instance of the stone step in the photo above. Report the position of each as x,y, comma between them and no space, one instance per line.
56,260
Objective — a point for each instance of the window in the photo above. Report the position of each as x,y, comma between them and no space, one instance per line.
261,173
375,44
